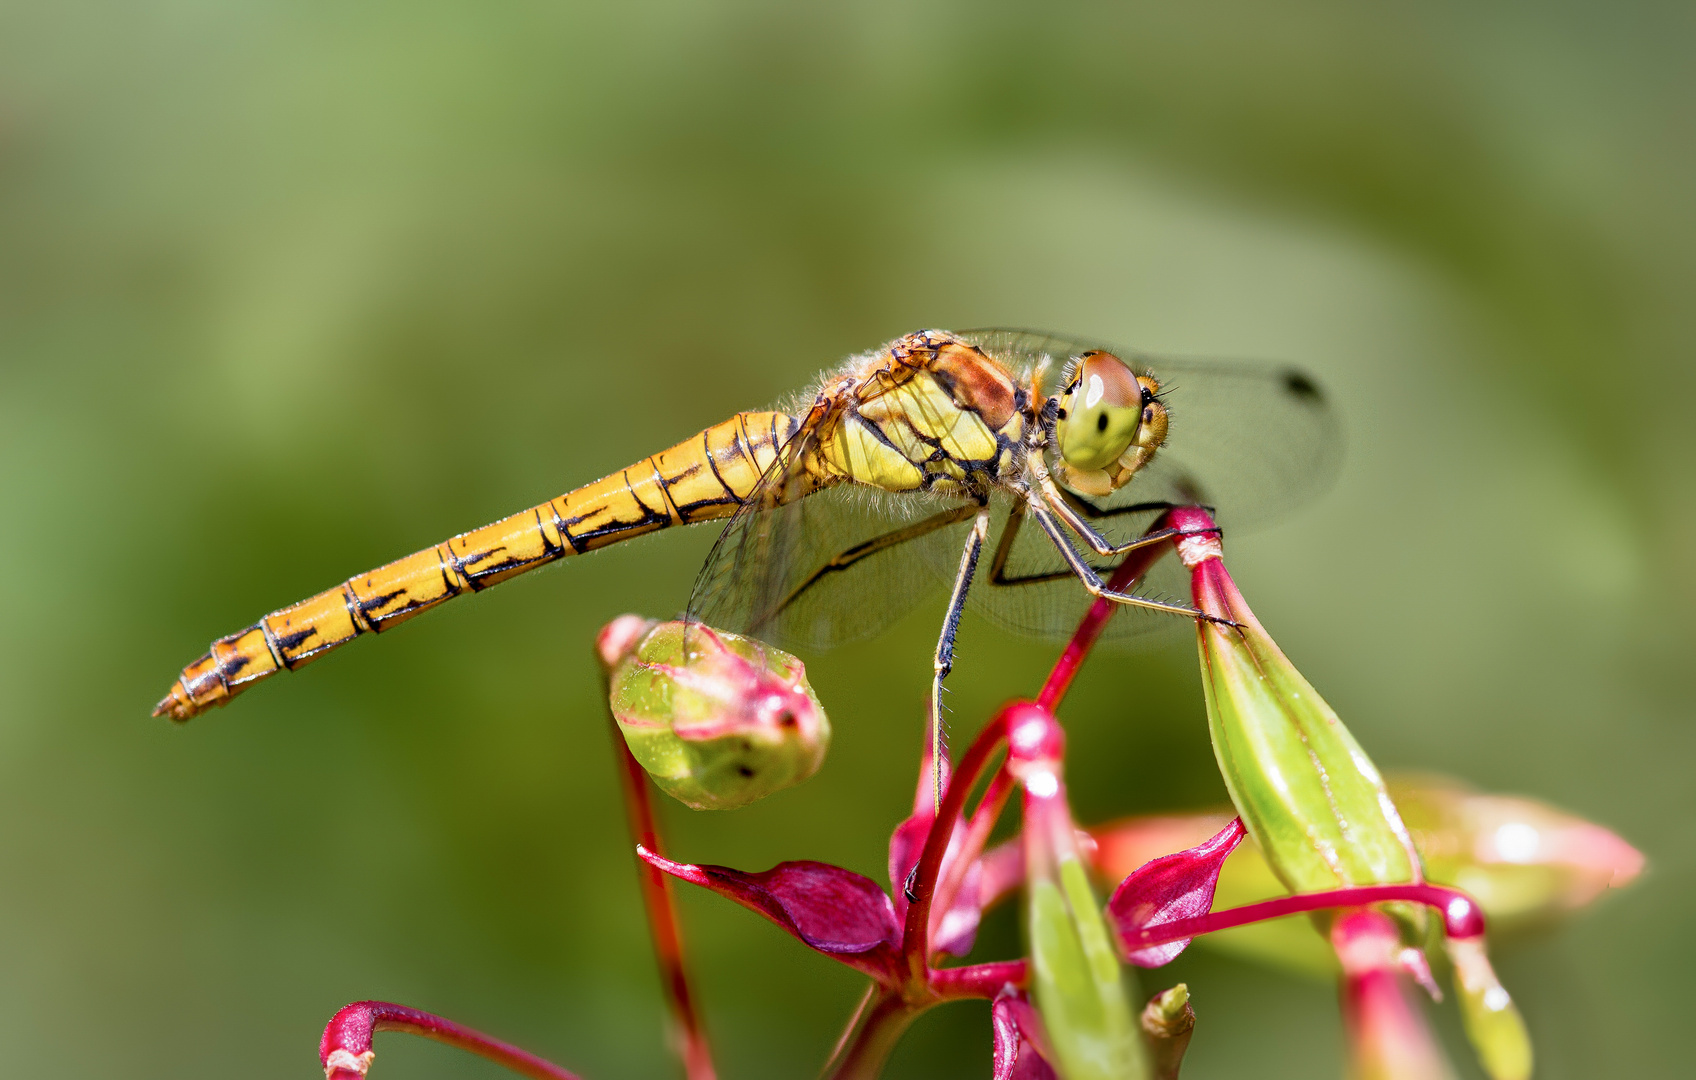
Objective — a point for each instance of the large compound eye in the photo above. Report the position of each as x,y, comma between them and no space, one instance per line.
1099,412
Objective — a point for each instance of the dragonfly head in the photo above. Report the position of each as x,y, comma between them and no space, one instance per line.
1110,421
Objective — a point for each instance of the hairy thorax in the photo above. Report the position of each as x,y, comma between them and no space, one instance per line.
930,413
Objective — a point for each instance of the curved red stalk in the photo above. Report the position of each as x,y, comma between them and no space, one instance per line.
1135,565
915,936
1461,917
662,915
345,1049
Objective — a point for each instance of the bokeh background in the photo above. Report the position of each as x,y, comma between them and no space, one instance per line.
290,289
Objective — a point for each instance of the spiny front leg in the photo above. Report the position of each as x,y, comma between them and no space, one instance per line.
1091,580
1098,543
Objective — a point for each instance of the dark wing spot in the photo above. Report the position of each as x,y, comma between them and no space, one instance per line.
1299,385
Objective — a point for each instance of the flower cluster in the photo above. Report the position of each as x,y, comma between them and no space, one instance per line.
1384,870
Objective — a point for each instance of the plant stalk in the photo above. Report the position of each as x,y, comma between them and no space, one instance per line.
663,926
1134,566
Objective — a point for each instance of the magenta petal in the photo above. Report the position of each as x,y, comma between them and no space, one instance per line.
832,910
1019,1039
1172,887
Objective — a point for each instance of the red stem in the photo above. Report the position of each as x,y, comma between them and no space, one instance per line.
882,1018
663,925
915,936
1461,916
1135,565
971,846
978,980
347,1038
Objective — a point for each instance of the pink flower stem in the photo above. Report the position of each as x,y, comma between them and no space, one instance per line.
346,1053
978,980
1134,566
663,924
915,936
1461,917
971,846
885,1013
883,1017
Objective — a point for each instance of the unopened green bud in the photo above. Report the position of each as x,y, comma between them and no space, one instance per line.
1080,987
1168,1021
718,720
1307,792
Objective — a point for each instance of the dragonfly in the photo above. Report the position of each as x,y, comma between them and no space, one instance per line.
887,481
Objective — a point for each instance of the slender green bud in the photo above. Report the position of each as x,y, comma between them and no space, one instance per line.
1081,990
1492,1021
717,719
1310,797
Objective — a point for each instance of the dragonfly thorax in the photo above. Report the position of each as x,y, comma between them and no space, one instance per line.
928,413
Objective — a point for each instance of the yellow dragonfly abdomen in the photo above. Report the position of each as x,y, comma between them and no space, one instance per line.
708,476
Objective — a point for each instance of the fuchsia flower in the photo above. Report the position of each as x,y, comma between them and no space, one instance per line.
1527,863
1312,809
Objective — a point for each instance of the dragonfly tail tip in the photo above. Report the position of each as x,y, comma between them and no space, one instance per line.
175,705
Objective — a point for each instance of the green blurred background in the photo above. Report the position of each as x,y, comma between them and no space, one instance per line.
288,290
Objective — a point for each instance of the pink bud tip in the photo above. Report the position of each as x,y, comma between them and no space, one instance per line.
1033,734
618,637
345,1049
1461,917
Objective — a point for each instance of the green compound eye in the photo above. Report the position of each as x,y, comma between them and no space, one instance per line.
1100,412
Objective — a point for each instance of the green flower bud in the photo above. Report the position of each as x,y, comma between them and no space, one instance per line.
1081,990
1307,792
717,719
1168,1021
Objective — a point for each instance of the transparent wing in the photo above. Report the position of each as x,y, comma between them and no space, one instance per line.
1023,584
812,569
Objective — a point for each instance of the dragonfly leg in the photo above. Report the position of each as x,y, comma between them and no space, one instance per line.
998,575
1091,580
944,661
1068,513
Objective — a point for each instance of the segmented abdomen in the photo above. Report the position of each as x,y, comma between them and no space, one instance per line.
706,477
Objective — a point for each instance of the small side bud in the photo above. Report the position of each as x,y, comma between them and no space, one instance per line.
718,720
1168,1021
